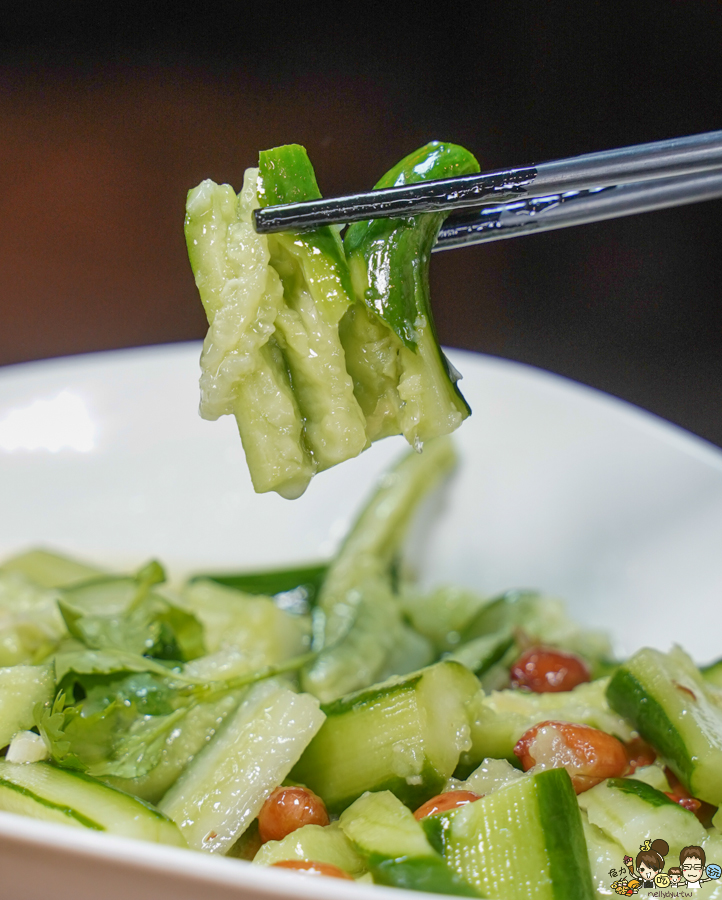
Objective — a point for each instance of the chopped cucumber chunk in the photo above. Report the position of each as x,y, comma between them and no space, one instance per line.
31,626
222,790
22,688
358,619
50,570
45,792
243,369
405,735
395,848
314,843
628,811
668,701
523,841
500,718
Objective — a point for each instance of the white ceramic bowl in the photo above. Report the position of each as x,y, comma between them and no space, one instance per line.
559,487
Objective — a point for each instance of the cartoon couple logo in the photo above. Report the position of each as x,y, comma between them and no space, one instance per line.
691,872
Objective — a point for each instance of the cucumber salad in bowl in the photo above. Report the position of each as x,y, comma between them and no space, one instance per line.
338,718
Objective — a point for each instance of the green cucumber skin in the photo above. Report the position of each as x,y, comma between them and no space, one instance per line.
309,579
640,789
429,874
401,247
573,880
628,697
359,699
287,176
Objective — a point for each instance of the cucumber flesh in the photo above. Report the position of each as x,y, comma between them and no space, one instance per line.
500,718
669,702
395,848
630,811
21,689
358,615
404,735
222,790
605,855
314,843
243,370
523,841
50,570
43,791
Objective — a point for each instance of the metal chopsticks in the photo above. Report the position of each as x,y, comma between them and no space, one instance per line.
546,196
542,214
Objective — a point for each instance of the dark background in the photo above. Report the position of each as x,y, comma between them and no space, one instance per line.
109,113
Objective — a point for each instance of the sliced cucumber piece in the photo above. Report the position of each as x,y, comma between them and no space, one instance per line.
252,623
441,614
31,626
668,701
713,673
50,570
630,811
481,653
356,612
500,718
243,370
491,775
605,856
314,843
405,736
403,381
224,787
43,791
317,292
543,620
523,841
21,689
294,589
395,848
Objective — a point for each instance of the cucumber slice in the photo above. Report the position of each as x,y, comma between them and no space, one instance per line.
671,705
21,689
317,292
544,620
442,614
224,787
252,623
483,652
713,673
491,775
31,626
403,368
405,736
243,370
294,589
500,718
50,570
630,811
314,843
523,841
355,609
43,791
605,856
395,848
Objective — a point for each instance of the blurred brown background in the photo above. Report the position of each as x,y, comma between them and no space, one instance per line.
109,113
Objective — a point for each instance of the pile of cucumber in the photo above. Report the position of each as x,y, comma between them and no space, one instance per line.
171,714
319,346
